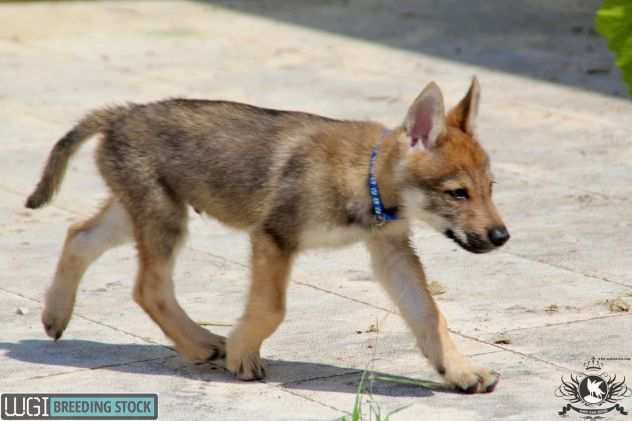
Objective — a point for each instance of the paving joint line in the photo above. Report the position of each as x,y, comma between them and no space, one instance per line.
124,332
331,376
455,332
355,300
352,371
513,351
82,369
568,269
311,400
81,316
570,322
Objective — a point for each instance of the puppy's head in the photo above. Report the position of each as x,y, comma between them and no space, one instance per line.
445,173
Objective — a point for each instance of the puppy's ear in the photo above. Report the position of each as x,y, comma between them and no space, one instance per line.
464,114
425,120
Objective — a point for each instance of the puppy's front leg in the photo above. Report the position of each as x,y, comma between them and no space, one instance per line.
399,270
270,267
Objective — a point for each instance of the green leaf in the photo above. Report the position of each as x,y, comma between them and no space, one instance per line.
614,23
356,415
428,384
395,411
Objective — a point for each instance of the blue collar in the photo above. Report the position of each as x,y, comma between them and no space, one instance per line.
381,214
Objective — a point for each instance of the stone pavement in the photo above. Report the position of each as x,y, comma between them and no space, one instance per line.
552,118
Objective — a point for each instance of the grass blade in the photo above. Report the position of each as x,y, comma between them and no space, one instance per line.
428,384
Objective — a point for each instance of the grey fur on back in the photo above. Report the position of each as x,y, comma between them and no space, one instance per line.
235,162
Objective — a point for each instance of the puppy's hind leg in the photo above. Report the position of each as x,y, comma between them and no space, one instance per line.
160,231
85,242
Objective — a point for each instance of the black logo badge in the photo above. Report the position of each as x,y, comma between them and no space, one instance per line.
593,393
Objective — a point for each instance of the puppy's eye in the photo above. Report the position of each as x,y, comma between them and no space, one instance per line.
459,194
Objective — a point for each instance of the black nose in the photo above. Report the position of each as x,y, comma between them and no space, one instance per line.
498,236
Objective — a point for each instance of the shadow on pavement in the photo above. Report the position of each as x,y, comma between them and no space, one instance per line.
161,361
540,39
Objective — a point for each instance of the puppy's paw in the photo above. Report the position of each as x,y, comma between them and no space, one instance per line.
209,348
55,321
246,366
216,347
467,378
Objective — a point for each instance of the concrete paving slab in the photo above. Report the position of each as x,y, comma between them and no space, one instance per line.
557,133
520,378
188,392
580,229
581,341
26,353
547,41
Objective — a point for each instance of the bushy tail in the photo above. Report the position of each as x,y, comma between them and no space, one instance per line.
59,157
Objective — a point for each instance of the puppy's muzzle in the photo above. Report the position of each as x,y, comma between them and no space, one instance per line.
476,243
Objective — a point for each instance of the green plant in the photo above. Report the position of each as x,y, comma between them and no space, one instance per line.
614,23
374,408
375,411
364,390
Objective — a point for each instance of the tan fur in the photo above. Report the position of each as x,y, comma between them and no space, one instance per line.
265,308
294,181
399,270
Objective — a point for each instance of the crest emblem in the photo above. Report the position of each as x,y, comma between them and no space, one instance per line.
593,393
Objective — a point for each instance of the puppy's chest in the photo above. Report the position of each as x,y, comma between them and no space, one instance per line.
349,224
333,236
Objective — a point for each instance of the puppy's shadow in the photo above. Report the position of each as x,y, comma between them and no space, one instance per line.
157,360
